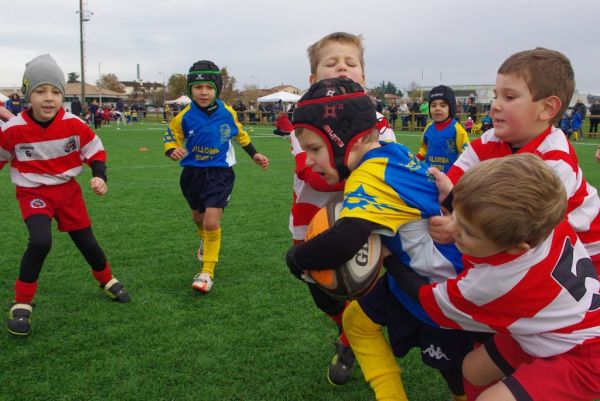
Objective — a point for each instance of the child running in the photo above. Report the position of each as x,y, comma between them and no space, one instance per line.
46,148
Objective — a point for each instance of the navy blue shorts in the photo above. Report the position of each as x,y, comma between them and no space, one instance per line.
207,187
441,349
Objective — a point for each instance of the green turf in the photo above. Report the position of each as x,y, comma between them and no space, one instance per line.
256,336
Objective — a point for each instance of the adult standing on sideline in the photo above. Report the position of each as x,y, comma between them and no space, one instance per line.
120,107
76,107
594,118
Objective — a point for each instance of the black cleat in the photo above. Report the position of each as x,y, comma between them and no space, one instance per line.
340,368
19,319
116,291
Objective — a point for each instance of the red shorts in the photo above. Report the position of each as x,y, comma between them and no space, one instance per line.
572,376
63,202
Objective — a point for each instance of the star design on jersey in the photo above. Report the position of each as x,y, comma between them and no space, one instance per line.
359,198
330,92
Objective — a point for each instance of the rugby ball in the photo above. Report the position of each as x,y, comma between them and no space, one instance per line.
356,276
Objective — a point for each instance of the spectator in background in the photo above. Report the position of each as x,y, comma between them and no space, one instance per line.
594,118
14,104
487,122
414,109
580,107
76,107
598,154
424,110
469,125
459,110
94,108
404,114
120,107
283,125
472,108
393,113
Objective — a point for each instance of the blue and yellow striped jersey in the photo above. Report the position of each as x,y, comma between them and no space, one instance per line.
207,138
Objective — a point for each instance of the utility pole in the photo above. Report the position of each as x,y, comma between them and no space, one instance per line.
83,17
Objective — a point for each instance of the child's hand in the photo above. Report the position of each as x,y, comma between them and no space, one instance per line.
261,160
598,154
98,185
439,232
442,182
178,154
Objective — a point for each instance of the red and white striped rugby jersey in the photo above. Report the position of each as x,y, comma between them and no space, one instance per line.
47,156
548,298
552,146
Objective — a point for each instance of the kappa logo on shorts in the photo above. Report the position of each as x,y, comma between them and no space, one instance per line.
37,203
435,352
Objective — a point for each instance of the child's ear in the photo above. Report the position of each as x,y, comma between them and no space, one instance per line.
312,78
552,105
518,248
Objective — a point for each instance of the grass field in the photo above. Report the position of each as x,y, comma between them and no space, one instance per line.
257,336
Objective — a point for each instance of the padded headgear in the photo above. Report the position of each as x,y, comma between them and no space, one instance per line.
205,71
340,111
446,93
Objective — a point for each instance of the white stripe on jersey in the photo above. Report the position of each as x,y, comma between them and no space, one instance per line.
91,148
44,150
32,180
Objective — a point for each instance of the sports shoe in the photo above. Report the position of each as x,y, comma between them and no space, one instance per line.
199,254
19,319
202,282
340,368
116,291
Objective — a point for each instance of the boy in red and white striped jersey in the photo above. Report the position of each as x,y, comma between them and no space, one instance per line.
533,89
46,148
527,278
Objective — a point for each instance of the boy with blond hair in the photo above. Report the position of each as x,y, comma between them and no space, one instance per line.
46,148
339,54
527,278
533,89
388,191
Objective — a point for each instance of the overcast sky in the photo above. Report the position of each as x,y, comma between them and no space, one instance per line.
264,42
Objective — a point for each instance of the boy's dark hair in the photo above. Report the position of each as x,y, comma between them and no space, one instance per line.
445,93
340,111
546,73
205,71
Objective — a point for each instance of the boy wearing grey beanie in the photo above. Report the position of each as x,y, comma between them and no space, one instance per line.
46,148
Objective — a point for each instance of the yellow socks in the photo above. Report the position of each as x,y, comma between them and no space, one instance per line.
374,354
212,246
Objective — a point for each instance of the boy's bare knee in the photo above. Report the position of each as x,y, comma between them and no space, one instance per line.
479,369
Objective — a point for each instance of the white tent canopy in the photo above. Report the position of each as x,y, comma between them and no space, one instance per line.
285,97
181,100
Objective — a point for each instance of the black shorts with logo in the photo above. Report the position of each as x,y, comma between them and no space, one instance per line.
207,187
442,349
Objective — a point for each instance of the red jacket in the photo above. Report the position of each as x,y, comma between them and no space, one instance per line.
284,124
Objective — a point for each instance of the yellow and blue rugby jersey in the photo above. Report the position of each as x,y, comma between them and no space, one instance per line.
207,138
440,148
390,187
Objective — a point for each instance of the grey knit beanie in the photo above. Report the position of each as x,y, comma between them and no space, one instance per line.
40,71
